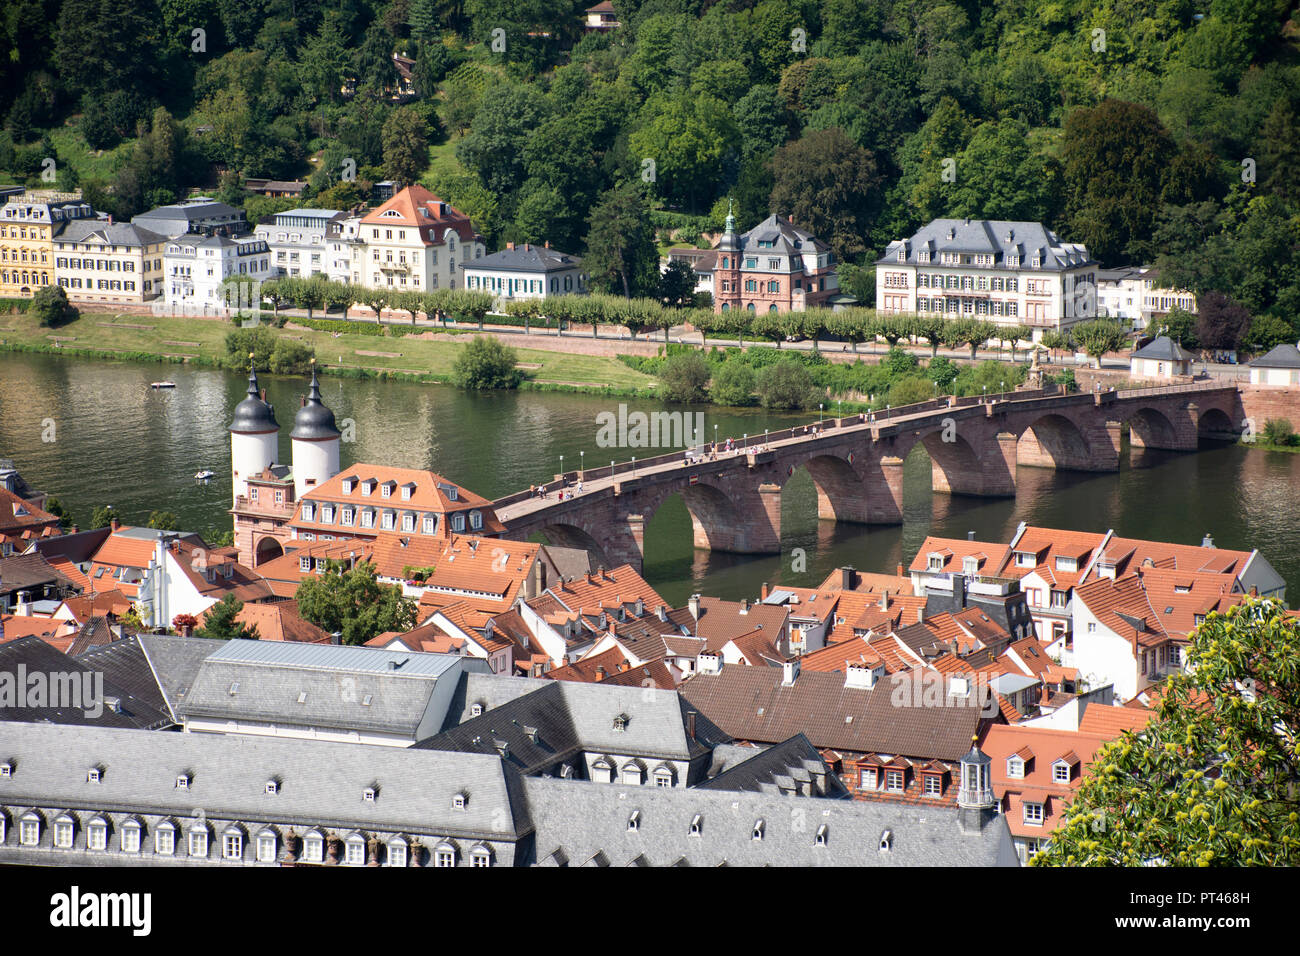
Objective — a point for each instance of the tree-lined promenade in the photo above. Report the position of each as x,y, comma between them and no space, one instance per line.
853,325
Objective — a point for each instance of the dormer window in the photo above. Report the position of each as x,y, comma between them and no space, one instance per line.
367,487
304,563
308,511
386,489
347,485
6,770
406,492
475,710
820,839
697,825
1033,815
458,522
758,830
182,781
327,514
368,795
272,787
1025,559
1067,564
886,841
1016,767
620,723
460,801
970,564
1060,772
634,821
935,562
476,520
94,775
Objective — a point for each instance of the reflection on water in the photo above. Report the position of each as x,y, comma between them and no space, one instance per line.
117,442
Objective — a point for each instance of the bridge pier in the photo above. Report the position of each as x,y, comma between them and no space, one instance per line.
884,492
1062,444
994,474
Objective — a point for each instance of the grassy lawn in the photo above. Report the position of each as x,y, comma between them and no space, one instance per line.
177,335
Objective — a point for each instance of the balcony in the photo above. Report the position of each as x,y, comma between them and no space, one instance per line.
401,267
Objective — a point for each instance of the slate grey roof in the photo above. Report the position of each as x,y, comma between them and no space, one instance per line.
1163,349
792,765
488,691
174,663
999,237
787,238
27,656
572,717
530,259
580,822
124,663
253,415
323,685
115,234
321,783
894,717
1285,355
314,421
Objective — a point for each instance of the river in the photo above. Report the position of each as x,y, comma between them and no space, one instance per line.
92,433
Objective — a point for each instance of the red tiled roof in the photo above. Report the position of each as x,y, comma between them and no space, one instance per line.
416,207
954,551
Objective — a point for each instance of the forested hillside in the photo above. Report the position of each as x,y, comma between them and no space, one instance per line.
1152,131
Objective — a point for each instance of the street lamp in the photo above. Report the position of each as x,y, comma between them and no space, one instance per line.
582,461
634,464
561,466
820,406
1004,389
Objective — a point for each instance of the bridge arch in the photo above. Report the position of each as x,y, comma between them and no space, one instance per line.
841,491
563,534
1055,441
1151,428
1217,425
743,520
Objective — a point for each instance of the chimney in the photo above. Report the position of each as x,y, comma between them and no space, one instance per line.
898,570
662,612
762,595
970,535
884,601
1207,541
690,723
708,662
959,590
789,671
600,672
846,579
510,247
744,605
114,523
694,605
861,675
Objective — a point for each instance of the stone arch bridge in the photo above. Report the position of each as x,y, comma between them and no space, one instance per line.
856,465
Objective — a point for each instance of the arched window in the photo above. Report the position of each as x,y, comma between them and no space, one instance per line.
64,827
97,834
750,307
267,840
29,829
164,838
313,847
232,844
444,855
772,307
354,853
726,307
481,855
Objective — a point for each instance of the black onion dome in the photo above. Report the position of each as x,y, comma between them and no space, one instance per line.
314,422
253,415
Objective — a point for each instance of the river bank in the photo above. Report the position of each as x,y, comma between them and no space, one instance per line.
426,356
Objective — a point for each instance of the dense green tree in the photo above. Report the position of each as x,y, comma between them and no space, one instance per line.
50,306
102,517
684,377
621,253
1114,159
221,623
106,45
733,384
485,363
1210,781
163,521
786,384
1099,336
827,184
1267,331
406,146
353,603
677,284
493,149
682,144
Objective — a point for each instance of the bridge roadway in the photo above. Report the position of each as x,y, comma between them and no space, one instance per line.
975,444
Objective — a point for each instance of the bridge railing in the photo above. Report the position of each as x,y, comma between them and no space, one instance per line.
1172,389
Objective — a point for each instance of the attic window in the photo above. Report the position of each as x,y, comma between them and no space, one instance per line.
758,830
234,688
634,821
365,701
821,835
697,825
273,787
6,770
302,697
475,710
970,564
620,723
459,801
936,562
886,841
369,794
183,782
94,775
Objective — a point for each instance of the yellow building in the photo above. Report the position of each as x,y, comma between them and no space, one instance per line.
28,224
97,261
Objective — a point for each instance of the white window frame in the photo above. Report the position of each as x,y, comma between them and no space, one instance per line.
130,837
196,842
29,831
164,839
444,856
313,848
232,846
65,833
1033,814
266,846
97,834
396,855
1060,772
1016,768
354,852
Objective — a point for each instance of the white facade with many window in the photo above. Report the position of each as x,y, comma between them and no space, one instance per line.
298,240
195,266
1134,296
98,261
1008,273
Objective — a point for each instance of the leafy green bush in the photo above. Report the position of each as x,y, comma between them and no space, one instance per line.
349,326
733,384
683,377
1278,431
291,358
51,308
911,389
786,385
486,364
